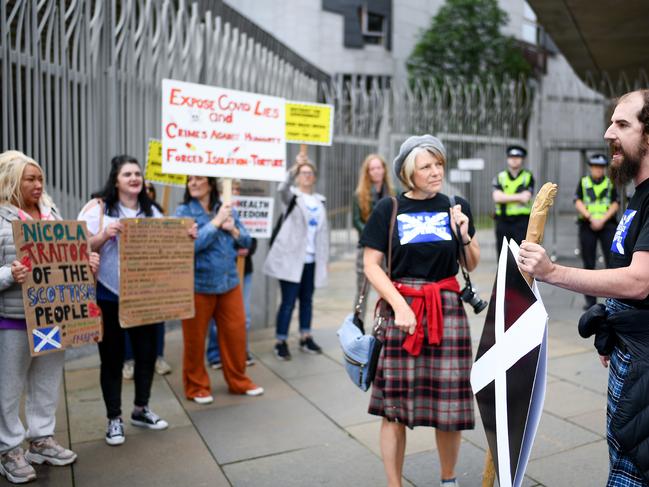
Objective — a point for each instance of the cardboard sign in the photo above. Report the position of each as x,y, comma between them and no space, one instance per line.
211,131
156,259
153,171
256,214
309,123
59,295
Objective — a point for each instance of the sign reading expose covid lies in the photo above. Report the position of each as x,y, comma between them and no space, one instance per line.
59,294
212,131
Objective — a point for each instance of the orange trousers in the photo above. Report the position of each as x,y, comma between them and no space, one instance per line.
228,311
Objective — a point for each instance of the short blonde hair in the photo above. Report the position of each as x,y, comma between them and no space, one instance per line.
12,167
408,167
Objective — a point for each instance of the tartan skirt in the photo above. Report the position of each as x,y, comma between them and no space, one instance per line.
433,388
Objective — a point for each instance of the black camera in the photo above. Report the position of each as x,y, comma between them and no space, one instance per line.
469,295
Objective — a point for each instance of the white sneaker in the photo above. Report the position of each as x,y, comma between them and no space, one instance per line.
115,432
257,391
203,400
162,367
128,369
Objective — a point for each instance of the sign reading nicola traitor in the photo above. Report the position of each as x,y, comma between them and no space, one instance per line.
59,294
212,131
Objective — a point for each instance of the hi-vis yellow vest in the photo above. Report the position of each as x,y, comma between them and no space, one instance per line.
510,186
596,197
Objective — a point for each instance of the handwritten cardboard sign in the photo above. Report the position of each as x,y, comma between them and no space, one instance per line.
213,131
59,295
256,214
156,280
153,171
309,123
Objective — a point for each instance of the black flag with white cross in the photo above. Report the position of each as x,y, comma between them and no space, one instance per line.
509,374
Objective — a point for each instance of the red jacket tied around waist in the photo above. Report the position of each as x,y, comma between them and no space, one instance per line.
429,300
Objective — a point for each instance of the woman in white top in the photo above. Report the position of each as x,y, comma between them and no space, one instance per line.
302,238
123,196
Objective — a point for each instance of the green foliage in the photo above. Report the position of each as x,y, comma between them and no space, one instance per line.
464,40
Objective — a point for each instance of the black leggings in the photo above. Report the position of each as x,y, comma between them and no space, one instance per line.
111,353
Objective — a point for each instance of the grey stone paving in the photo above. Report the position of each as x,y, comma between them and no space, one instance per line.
311,426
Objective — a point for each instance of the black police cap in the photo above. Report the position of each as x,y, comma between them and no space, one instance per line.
598,160
516,151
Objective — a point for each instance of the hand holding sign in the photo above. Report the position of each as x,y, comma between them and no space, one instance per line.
19,271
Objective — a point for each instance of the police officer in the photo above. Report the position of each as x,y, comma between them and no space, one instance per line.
597,203
512,193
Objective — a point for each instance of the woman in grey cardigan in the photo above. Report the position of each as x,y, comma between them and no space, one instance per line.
299,254
23,197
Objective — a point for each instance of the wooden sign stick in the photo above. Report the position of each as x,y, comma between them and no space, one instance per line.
226,197
535,229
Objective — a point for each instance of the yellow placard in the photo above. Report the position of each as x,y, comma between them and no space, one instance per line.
153,170
309,123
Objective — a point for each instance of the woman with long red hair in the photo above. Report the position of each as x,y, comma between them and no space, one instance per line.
373,184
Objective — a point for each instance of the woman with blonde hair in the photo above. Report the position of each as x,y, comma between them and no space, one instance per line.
23,197
422,376
373,184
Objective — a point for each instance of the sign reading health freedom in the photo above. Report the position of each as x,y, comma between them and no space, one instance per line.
212,131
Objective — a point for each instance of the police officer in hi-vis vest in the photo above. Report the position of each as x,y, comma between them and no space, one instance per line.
597,203
512,193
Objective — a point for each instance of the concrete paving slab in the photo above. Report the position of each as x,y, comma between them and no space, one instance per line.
343,462
336,396
301,365
87,411
583,466
557,400
583,369
417,440
171,458
422,469
594,421
556,435
263,427
49,476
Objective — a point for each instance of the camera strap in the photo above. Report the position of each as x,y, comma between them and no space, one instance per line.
465,273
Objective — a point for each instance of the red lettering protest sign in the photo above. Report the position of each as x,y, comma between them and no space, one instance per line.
59,295
213,131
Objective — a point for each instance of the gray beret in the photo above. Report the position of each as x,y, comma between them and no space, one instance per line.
413,142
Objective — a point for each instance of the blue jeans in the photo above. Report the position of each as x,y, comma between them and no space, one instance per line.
290,292
159,346
213,352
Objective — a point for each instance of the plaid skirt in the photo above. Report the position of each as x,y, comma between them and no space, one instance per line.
431,389
622,471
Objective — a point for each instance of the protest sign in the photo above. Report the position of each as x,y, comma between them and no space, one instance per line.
153,171
156,259
59,295
212,131
309,123
256,214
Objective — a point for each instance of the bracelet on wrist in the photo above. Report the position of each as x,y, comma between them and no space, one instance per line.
467,243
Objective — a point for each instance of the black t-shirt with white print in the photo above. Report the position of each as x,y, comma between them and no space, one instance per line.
423,245
632,235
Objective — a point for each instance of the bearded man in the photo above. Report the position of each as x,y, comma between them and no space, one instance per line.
622,325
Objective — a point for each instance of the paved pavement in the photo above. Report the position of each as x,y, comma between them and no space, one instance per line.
311,426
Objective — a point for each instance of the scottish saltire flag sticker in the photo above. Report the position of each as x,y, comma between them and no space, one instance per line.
622,229
46,339
423,227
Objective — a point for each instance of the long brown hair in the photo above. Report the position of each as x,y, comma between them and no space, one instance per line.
364,188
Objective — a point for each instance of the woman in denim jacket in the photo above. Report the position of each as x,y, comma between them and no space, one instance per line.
217,293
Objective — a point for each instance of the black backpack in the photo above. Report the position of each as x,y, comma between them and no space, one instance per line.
282,218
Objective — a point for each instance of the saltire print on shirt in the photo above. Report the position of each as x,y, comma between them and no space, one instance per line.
423,227
622,229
